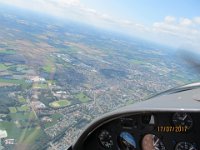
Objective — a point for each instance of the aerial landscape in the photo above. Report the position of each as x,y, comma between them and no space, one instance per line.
58,76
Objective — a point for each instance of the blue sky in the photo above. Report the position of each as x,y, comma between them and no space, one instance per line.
172,22
146,11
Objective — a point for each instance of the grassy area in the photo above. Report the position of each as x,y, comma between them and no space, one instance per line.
8,51
11,128
23,116
137,62
3,67
21,99
49,65
23,108
13,81
60,103
55,117
40,85
31,135
20,128
49,68
69,50
26,135
12,109
129,102
82,97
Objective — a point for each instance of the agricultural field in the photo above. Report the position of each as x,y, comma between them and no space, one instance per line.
23,126
82,97
40,86
21,99
12,109
22,116
55,117
8,52
22,135
137,62
60,103
12,81
23,108
3,67
49,67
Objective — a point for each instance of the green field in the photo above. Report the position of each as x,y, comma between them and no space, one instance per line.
16,82
49,68
40,85
3,67
29,135
23,116
49,65
11,128
137,62
20,128
23,108
69,49
60,103
55,117
21,99
13,81
18,120
12,109
82,97
26,135
8,51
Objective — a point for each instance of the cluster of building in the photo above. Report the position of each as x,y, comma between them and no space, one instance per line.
4,140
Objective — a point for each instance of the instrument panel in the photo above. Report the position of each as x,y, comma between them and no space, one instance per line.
148,131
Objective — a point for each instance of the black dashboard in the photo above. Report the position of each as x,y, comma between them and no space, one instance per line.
147,131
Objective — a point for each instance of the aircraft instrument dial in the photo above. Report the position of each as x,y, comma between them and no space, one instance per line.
152,142
105,139
182,119
126,141
185,146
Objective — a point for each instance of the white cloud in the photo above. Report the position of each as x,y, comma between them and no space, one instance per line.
197,20
185,32
53,7
173,31
68,2
185,22
74,9
169,19
70,9
40,3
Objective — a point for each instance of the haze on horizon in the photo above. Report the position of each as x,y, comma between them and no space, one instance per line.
174,22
